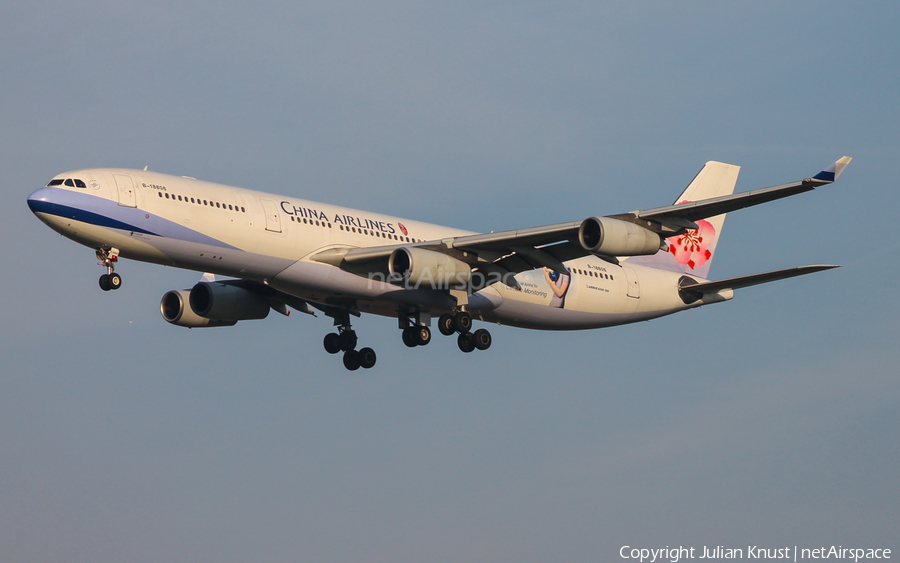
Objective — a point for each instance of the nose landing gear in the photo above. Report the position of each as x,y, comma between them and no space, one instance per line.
108,257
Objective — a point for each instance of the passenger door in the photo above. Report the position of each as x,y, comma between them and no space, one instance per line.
634,286
125,188
273,222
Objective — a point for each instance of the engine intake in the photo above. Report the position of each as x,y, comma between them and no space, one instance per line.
421,267
612,237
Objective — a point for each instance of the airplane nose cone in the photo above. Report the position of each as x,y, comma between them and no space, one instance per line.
41,199
38,199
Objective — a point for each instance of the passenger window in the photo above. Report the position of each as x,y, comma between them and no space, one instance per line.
56,182
159,194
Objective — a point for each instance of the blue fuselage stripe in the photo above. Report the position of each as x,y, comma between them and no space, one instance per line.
83,216
102,212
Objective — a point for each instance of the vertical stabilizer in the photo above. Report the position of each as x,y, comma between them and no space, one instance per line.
692,252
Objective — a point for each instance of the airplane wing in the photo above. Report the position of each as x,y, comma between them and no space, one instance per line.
549,246
677,215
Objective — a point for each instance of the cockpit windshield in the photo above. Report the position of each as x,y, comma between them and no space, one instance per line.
71,182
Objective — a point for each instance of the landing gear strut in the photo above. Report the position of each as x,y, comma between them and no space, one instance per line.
109,257
345,340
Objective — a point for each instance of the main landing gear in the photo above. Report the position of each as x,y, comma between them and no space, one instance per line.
109,280
345,340
415,333
461,323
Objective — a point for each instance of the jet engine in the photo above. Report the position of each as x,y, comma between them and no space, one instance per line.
612,237
427,268
212,304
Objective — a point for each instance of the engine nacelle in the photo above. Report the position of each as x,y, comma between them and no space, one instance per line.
176,309
224,302
612,237
427,268
212,304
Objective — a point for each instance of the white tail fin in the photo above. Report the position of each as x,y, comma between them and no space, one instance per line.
692,252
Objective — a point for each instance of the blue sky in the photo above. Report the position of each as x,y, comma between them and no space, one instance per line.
769,420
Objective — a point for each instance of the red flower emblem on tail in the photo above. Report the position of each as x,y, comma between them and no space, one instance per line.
403,229
692,248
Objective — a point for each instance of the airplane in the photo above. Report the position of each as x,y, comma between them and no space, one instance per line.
261,252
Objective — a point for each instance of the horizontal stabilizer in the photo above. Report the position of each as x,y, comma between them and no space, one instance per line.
691,290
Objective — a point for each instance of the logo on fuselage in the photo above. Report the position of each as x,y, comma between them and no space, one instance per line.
347,221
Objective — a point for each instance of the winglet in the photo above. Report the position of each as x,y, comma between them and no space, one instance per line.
831,173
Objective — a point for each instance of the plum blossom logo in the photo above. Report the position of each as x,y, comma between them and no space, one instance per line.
403,229
692,248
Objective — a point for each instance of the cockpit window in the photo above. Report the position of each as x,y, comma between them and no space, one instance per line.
79,184
55,182
70,183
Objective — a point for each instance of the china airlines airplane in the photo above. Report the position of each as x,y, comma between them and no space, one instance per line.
276,252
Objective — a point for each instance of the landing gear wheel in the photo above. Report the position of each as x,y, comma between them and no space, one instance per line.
409,337
347,340
104,282
366,358
466,342
482,339
114,281
445,325
332,343
351,360
462,322
422,335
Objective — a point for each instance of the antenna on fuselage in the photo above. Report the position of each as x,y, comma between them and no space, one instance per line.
145,168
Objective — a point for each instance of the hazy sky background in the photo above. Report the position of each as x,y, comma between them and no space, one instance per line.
769,420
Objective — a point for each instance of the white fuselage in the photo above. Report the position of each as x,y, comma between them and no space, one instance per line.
228,231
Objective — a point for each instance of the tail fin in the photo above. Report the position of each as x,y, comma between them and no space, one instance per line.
692,252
